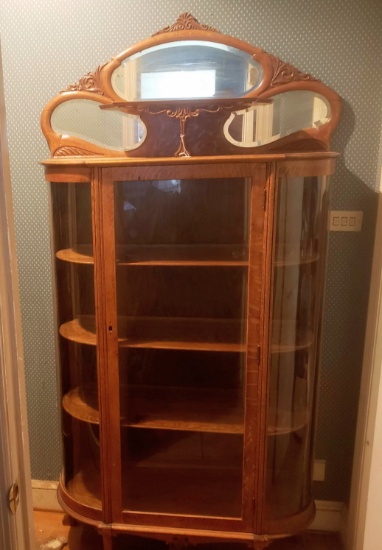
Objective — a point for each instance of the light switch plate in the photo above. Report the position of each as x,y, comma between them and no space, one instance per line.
345,220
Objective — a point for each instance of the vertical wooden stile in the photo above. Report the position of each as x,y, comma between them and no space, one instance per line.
254,313
265,322
107,341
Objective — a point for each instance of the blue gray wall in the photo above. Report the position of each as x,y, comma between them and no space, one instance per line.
48,44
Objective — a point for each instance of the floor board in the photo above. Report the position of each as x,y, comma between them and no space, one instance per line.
49,526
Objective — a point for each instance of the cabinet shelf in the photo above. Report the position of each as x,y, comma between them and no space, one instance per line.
84,487
292,255
186,255
163,490
181,409
223,335
282,422
164,255
288,337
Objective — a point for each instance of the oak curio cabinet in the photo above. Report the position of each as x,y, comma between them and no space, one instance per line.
189,186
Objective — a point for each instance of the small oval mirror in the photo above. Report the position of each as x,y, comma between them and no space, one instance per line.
285,114
187,69
84,119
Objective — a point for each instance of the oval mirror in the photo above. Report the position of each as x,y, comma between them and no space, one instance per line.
187,69
84,119
283,115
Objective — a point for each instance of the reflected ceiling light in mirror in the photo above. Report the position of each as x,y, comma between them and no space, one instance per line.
183,84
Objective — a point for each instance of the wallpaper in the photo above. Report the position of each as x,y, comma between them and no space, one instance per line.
47,45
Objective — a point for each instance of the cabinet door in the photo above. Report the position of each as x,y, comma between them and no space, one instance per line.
74,266
188,249
300,242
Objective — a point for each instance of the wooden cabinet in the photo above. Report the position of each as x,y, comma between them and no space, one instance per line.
189,295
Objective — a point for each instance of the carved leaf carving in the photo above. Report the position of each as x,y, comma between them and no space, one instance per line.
91,82
73,152
186,21
283,73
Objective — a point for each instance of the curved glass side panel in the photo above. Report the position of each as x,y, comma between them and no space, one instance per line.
280,116
72,225
83,118
296,302
187,69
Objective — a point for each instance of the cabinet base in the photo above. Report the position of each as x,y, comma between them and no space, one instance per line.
179,538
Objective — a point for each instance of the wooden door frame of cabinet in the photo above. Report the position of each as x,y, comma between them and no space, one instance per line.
104,249
269,189
107,341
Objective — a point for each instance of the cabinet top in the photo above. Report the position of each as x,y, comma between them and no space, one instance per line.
191,91
173,161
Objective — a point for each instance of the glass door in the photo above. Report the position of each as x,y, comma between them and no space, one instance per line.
182,273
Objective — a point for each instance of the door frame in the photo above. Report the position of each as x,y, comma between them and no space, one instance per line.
364,526
16,530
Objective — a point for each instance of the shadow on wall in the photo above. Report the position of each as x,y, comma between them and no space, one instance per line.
345,314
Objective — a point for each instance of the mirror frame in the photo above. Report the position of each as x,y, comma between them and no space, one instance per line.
278,77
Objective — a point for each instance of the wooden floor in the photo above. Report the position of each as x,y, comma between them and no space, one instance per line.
49,526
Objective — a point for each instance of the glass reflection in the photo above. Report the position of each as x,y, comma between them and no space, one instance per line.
187,69
84,119
269,121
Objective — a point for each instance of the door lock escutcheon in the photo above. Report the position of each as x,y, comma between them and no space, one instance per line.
14,497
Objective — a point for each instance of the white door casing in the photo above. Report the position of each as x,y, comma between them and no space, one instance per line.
16,530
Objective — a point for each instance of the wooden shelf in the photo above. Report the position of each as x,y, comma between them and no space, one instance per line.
207,492
164,255
224,335
181,409
282,422
286,337
82,403
85,487
292,255
79,254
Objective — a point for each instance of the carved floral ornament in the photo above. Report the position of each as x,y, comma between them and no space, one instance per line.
91,82
186,22
283,73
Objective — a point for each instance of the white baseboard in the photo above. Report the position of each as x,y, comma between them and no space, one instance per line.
330,515
44,495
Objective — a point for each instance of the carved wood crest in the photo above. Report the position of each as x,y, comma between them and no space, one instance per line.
91,82
283,73
186,22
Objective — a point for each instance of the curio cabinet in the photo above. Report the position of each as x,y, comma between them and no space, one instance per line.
189,191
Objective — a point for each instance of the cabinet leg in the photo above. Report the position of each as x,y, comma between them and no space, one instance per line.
259,544
179,544
69,521
107,541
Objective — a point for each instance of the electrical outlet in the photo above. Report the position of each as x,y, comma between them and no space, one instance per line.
319,470
345,220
